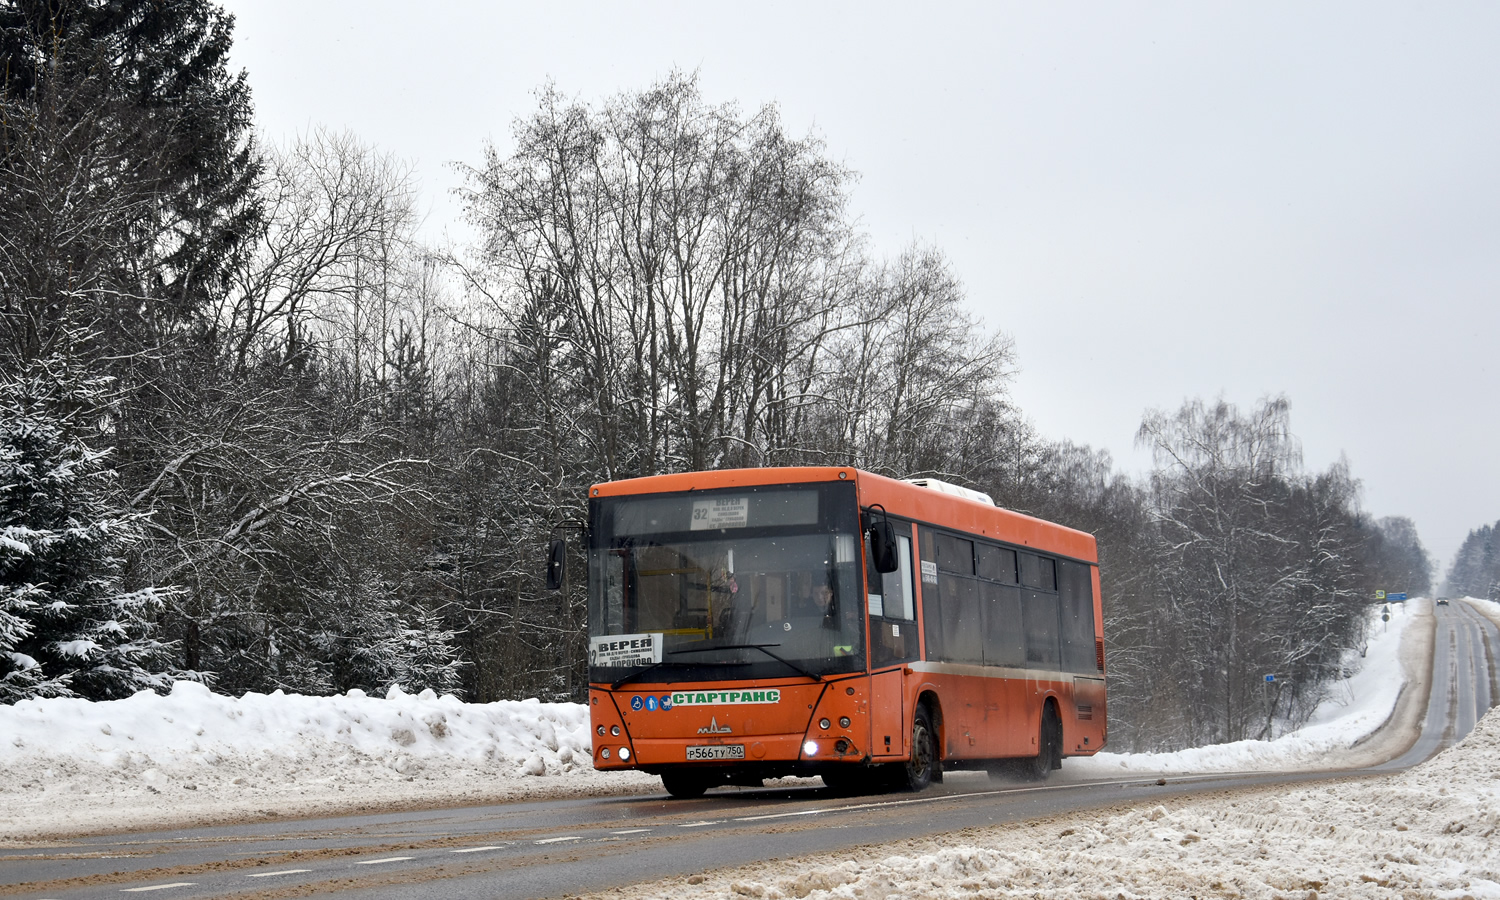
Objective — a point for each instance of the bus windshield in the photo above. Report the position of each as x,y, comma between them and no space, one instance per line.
755,582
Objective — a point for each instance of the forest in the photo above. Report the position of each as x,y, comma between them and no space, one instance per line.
255,432
1476,567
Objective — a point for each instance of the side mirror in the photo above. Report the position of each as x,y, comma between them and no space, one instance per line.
882,536
557,557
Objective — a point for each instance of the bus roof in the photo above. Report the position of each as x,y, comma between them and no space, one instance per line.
900,498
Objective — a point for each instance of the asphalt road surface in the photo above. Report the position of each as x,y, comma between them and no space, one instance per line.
552,849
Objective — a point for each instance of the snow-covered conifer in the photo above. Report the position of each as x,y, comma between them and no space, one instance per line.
69,626
430,658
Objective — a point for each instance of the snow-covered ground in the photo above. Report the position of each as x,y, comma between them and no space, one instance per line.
1488,608
1430,832
195,757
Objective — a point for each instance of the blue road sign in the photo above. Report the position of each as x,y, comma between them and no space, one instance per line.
1270,678
1396,597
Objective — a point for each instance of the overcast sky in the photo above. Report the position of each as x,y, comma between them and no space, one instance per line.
1156,201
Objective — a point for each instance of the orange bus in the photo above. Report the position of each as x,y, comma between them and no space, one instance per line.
759,623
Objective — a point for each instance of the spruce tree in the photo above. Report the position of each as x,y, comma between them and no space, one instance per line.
69,626
127,171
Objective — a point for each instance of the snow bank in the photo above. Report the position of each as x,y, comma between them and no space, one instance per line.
1433,831
192,731
198,756
1489,608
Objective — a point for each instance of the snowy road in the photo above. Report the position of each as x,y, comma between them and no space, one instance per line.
568,847
1464,674
552,849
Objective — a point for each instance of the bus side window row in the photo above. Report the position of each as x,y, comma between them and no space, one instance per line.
962,556
998,606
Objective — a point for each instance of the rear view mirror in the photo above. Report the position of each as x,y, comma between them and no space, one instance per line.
557,557
883,547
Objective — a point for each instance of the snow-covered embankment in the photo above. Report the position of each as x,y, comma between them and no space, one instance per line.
197,757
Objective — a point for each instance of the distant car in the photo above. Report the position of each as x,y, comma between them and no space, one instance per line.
1442,601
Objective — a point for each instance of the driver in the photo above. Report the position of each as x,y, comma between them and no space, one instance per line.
827,605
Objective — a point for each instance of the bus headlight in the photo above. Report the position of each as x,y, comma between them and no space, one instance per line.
614,730
843,721
604,753
810,748
823,724
600,729
624,753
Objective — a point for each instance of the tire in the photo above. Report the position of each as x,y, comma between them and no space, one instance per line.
684,785
918,771
1049,747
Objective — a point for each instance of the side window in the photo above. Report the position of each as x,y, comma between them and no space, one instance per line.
950,599
1038,572
963,638
1040,613
955,554
1076,593
890,594
1004,628
893,611
932,612
996,564
896,586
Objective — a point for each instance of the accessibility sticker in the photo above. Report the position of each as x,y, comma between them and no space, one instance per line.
724,698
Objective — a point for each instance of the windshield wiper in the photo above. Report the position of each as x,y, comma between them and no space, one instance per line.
764,648
635,676
616,685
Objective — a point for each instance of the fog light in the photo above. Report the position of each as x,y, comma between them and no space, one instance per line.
810,748
600,729
624,753
843,721
823,724
841,747
614,730
604,753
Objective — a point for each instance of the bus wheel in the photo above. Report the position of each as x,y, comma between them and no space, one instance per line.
684,785
1049,746
918,771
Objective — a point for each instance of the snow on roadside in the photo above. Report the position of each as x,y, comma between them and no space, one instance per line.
1431,832
1488,608
1355,708
193,757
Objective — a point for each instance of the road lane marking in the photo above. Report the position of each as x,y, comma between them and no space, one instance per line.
157,887
698,824
572,837
1143,778
282,872
477,849
371,862
631,831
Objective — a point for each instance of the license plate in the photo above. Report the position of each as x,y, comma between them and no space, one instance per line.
717,751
